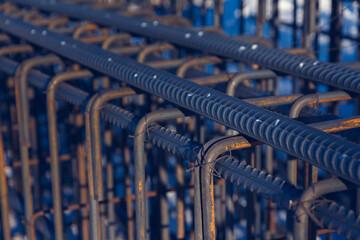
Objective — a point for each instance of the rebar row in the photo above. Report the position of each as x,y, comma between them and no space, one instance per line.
136,110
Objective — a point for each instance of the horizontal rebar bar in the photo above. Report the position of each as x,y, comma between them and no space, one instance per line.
225,46
320,149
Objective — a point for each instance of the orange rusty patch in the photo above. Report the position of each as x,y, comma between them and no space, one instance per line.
330,100
353,123
270,101
142,230
140,185
212,208
235,146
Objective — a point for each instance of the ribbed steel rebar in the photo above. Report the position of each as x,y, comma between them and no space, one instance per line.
228,167
260,182
159,136
307,200
332,215
320,149
225,46
337,217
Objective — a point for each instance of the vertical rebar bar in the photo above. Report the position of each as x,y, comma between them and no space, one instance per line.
128,193
260,18
275,23
335,30
294,25
213,149
309,23
94,151
180,191
4,193
164,208
180,221
53,139
140,184
22,107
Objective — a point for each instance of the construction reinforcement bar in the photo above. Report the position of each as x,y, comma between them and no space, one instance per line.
221,45
231,169
320,149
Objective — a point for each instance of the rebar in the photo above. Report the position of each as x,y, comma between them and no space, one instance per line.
5,227
139,162
92,117
299,66
307,199
54,152
23,121
247,119
199,140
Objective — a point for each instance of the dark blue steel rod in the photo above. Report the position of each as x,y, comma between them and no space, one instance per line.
320,149
225,46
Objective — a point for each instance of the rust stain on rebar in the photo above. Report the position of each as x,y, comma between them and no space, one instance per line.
350,124
212,206
272,100
234,146
140,185
335,99
142,230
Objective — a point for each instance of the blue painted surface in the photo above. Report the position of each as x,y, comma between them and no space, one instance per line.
209,17
230,22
